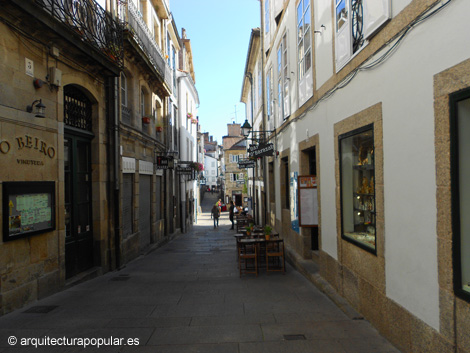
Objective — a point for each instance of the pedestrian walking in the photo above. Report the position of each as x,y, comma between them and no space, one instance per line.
216,214
231,210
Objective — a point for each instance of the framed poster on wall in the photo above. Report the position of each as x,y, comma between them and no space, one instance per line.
308,201
28,208
294,212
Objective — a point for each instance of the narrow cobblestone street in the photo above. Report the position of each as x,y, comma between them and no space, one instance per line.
187,297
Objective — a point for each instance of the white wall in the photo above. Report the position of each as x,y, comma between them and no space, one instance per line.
409,160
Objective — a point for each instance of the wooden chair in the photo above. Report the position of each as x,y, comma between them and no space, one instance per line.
241,223
275,256
247,252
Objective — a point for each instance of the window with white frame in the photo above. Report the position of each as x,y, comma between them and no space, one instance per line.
356,21
304,51
233,158
304,45
283,80
269,94
168,47
266,16
260,85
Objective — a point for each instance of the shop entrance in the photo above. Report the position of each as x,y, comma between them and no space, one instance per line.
77,172
238,200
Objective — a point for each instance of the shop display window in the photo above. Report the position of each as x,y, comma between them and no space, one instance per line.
358,210
460,154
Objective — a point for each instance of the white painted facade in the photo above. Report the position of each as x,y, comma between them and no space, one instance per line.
403,84
211,170
188,102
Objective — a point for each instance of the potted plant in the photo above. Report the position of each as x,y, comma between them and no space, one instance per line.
189,115
267,232
194,121
249,229
146,119
159,128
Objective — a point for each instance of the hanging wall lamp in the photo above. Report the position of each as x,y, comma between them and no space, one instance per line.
40,108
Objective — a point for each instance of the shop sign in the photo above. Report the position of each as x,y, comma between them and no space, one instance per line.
28,142
163,162
184,170
246,163
261,150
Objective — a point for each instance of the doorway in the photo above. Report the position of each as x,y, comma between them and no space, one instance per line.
78,212
77,172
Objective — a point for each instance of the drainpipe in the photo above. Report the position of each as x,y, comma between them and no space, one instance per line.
253,204
263,106
117,228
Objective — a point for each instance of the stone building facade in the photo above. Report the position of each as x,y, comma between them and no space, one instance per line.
57,165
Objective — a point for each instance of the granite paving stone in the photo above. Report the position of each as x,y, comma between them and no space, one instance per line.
187,297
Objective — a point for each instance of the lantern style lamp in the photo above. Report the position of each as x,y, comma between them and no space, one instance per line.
40,108
246,127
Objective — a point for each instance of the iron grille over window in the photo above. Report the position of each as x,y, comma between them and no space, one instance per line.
357,25
77,109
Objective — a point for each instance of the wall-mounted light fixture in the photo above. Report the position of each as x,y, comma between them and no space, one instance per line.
40,108
322,29
247,129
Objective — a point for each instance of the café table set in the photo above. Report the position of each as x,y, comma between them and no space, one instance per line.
258,250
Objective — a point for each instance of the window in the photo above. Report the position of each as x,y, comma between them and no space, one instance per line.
304,45
233,158
123,90
266,16
304,51
173,52
357,185
168,46
142,102
285,183
269,95
460,164
283,80
237,176
356,21
260,85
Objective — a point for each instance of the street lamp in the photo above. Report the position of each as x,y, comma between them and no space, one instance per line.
246,127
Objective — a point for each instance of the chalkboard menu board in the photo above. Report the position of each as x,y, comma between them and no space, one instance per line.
28,208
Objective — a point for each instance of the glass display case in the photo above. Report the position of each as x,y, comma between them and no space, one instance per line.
358,211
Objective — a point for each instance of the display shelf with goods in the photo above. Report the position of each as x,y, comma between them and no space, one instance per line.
358,208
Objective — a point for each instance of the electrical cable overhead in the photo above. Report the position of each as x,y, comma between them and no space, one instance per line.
396,40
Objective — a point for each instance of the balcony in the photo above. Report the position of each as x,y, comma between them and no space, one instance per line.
89,22
163,10
138,31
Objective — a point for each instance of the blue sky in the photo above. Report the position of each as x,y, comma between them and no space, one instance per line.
219,31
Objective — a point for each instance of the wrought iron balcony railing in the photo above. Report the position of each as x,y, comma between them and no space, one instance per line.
126,115
136,26
95,26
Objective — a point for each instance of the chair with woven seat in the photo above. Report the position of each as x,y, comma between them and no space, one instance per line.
275,260
247,253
